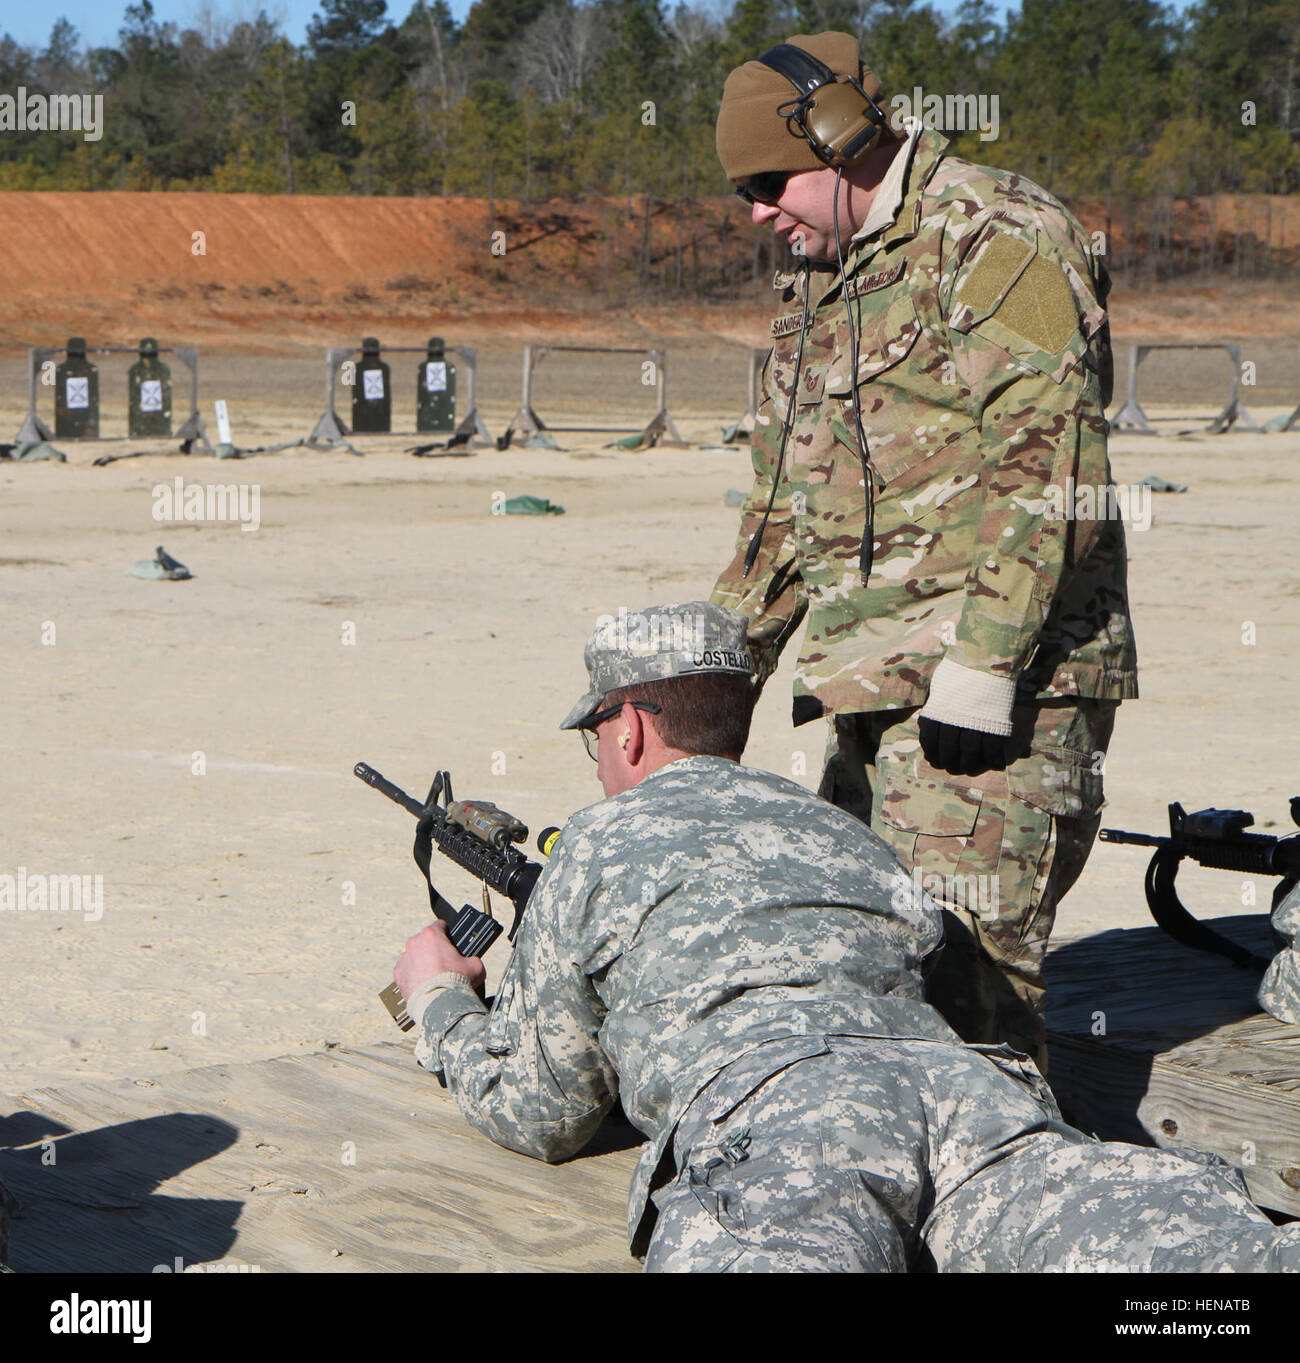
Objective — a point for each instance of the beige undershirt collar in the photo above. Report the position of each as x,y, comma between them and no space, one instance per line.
891,191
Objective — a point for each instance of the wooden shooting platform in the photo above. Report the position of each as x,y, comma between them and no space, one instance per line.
1186,1057
356,1160
245,1164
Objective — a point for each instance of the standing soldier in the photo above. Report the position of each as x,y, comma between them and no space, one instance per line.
935,394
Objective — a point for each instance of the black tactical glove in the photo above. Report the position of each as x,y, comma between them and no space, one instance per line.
962,752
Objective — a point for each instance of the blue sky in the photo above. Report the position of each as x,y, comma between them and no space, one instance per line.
98,20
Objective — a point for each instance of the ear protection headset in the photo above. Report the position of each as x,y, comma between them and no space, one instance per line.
840,120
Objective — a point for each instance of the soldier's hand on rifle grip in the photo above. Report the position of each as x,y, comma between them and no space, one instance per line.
962,752
431,953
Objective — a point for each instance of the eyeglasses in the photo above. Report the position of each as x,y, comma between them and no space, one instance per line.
588,730
765,188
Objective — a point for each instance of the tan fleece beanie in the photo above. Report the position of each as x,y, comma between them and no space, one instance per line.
752,136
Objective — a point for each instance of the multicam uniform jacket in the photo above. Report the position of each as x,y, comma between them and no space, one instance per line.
678,926
984,369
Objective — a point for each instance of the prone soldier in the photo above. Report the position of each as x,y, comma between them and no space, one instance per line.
740,962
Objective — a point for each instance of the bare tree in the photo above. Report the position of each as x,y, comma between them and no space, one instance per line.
692,28
438,85
694,25
439,64
561,49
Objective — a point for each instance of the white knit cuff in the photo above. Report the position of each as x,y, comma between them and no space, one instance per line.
969,699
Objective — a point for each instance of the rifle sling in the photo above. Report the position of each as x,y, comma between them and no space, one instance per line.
1168,911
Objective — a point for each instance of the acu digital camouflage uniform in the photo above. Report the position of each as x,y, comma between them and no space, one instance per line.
739,961
984,370
1279,991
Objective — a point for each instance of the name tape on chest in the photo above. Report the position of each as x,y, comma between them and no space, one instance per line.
786,326
880,280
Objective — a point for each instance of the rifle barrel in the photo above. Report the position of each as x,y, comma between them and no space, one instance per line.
1139,839
385,787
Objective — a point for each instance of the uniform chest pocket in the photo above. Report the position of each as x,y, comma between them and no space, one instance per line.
798,398
893,393
886,335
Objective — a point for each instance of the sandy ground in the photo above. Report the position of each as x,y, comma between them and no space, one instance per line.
255,909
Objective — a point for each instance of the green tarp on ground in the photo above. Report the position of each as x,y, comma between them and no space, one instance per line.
532,506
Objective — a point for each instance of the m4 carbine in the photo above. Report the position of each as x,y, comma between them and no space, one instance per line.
1215,838
481,839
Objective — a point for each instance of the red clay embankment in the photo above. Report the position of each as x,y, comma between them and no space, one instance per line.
275,273
270,272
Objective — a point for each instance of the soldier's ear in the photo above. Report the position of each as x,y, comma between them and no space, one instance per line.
634,735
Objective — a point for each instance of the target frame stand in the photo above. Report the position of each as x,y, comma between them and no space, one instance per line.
470,430
744,428
1134,421
191,433
526,421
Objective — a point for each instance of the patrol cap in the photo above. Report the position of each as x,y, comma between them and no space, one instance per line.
753,136
657,643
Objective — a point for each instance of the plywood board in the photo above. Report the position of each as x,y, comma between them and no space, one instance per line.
346,1160
1151,1041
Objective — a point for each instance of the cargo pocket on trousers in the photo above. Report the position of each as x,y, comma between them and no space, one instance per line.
1060,781
1055,803
930,824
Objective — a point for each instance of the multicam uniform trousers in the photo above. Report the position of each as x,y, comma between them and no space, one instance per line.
998,851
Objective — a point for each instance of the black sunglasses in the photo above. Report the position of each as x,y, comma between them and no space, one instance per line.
588,730
765,188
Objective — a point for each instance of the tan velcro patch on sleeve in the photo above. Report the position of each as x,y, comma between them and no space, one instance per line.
998,265
1040,307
